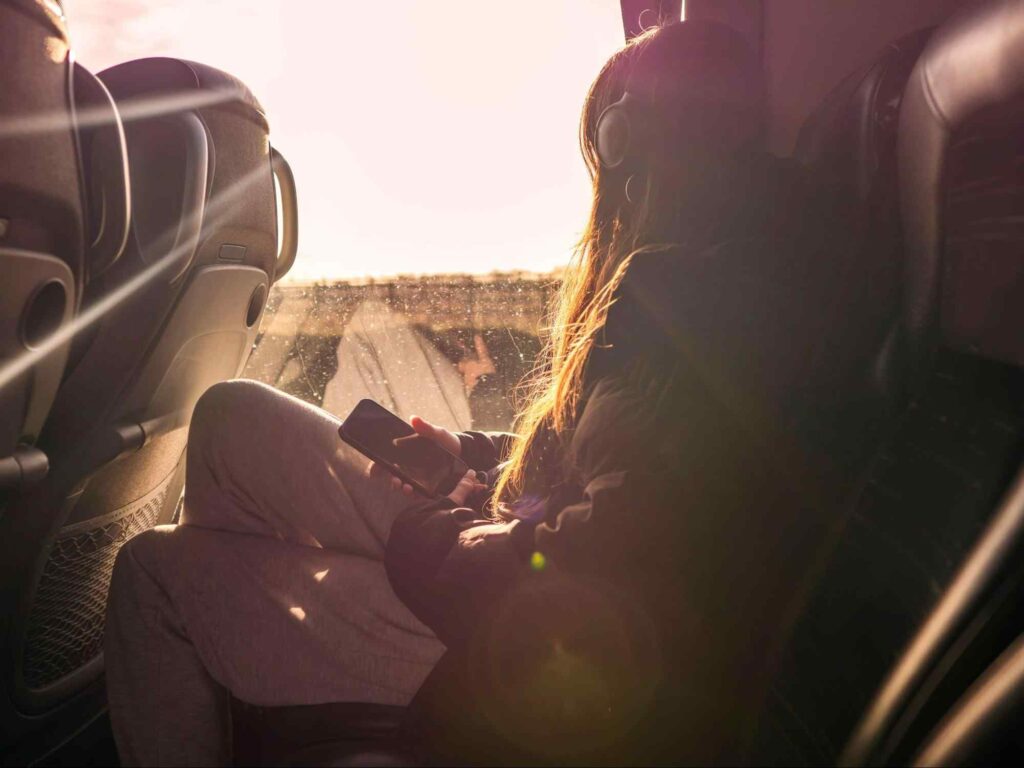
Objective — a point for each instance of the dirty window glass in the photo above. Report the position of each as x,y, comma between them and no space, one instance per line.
451,350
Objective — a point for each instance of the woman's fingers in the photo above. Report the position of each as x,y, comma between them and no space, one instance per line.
439,435
466,486
383,475
398,485
422,426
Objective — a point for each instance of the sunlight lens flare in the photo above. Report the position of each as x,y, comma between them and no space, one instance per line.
129,110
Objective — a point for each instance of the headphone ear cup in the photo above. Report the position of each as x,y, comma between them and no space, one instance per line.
613,135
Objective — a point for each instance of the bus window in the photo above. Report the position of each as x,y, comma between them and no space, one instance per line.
435,150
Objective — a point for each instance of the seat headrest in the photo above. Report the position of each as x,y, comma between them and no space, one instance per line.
187,84
973,64
851,135
200,156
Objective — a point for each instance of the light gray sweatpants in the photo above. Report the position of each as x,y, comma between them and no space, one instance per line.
272,587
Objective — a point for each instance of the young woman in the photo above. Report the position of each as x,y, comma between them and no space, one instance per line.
617,589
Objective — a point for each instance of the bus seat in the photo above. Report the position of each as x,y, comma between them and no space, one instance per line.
935,486
63,216
962,197
178,312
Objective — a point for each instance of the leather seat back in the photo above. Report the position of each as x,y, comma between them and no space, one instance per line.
63,217
187,298
235,257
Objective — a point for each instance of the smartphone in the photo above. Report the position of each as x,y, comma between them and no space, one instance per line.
382,436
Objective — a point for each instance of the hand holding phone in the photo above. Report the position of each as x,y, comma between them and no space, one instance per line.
423,458
443,437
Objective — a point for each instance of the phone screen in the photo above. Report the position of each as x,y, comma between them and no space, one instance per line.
380,435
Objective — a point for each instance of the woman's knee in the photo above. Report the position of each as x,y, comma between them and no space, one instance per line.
226,401
228,407
138,563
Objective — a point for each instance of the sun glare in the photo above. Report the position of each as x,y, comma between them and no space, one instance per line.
425,137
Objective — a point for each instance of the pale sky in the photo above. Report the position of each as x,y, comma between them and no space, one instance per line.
430,136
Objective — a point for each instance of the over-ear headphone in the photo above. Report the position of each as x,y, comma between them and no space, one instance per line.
621,128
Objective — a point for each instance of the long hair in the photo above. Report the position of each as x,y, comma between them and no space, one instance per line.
702,94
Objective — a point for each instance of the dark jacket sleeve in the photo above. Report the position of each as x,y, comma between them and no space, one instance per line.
483,451
449,565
